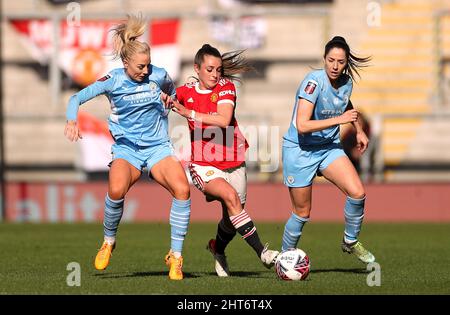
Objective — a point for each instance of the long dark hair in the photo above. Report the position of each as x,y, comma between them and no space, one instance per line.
233,62
354,63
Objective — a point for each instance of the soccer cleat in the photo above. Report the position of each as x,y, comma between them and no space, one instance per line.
103,255
359,251
268,257
221,264
175,266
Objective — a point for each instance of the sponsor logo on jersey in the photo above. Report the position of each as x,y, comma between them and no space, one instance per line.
329,113
141,97
310,87
106,77
223,93
222,82
190,100
214,97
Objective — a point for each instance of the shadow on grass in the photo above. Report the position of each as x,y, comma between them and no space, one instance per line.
352,270
187,275
139,274
238,274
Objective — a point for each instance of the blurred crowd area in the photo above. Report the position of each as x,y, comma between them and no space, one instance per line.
404,96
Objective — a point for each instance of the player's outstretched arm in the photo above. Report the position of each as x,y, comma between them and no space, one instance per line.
101,86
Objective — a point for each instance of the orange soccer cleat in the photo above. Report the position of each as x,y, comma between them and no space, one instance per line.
175,266
103,255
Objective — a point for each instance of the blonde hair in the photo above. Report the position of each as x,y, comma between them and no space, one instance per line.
125,43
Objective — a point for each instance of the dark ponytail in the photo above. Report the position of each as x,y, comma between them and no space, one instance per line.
233,63
354,63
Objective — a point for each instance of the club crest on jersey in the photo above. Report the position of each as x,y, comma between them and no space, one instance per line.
106,77
310,87
209,173
214,97
152,85
290,179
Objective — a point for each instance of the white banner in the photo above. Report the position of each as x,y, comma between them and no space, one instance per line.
250,31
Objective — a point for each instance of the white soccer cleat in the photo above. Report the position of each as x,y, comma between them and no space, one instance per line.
221,264
268,256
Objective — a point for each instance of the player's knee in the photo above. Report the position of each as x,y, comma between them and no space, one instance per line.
303,211
181,191
116,192
357,193
231,199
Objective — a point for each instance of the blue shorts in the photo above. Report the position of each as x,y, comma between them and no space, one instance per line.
300,164
141,156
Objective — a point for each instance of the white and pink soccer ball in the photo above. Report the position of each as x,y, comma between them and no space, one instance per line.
292,264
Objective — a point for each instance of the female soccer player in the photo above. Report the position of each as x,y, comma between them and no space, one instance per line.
139,126
312,144
218,148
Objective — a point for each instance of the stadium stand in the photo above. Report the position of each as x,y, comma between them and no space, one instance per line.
407,84
403,82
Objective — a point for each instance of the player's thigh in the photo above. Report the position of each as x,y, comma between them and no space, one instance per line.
343,174
169,173
221,189
122,175
301,199
238,179
203,174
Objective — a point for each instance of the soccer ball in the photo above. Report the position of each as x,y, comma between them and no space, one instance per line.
292,264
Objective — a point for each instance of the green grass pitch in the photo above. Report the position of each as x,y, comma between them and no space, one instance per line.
414,259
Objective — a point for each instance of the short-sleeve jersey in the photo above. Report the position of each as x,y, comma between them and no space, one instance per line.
223,148
137,112
328,102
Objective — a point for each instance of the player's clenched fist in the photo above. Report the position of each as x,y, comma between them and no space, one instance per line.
349,116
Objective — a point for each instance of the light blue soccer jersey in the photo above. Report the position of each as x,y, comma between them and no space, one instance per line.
328,102
138,114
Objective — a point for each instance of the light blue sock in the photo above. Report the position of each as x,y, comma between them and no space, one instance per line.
179,221
354,214
293,231
113,214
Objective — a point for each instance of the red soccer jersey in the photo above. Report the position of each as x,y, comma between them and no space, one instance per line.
211,145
